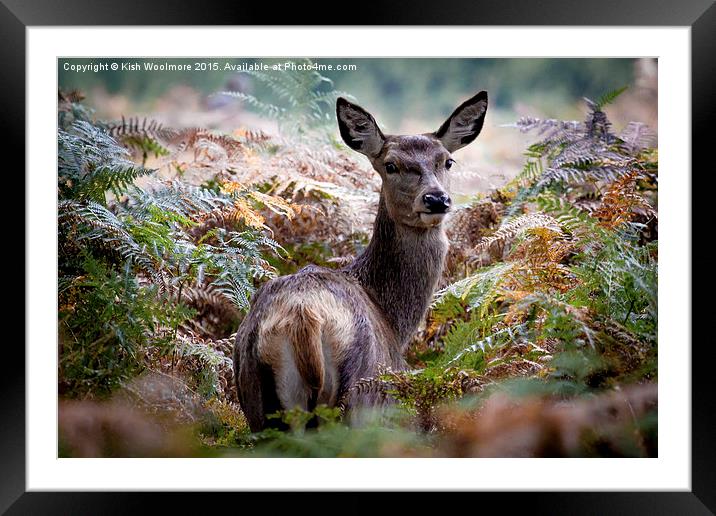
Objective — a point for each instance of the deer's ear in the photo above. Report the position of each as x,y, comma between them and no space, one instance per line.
465,123
358,128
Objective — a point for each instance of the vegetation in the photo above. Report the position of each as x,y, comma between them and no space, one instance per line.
542,340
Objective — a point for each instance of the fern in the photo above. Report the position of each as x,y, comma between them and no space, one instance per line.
202,140
141,128
517,226
235,262
473,355
99,224
609,97
577,153
573,279
474,292
213,363
91,162
176,197
621,201
265,109
636,136
156,235
307,98
108,324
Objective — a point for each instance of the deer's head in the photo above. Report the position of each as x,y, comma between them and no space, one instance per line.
415,168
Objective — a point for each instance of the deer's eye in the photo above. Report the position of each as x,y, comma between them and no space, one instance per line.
449,163
391,168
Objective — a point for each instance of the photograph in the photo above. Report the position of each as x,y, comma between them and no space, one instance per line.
310,257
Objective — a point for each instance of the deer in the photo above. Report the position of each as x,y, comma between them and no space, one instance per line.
309,337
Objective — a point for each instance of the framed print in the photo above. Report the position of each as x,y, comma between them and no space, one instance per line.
372,258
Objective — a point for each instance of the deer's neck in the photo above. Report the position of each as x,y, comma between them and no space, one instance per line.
400,269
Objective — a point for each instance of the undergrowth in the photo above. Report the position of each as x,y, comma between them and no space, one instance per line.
575,299
555,297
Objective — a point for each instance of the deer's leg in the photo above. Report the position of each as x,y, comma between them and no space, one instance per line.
255,384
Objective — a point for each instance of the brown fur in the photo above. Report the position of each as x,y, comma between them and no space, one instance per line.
305,338
313,326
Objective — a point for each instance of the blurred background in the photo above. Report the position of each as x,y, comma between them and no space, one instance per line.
405,95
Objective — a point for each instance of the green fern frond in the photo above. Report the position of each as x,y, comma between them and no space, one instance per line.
456,352
265,109
102,226
177,197
474,292
91,162
235,262
609,97
305,99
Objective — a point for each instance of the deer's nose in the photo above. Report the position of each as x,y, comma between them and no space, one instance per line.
437,202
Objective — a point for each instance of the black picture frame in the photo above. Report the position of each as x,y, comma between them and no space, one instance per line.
700,15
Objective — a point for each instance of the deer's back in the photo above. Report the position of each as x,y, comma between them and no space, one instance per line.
331,319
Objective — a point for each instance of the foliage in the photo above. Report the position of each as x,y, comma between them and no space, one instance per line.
579,156
90,162
307,99
572,306
550,295
224,425
422,391
373,440
143,136
576,297
106,323
130,261
156,273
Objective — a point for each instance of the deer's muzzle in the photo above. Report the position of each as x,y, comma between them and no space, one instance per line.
436,202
